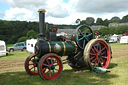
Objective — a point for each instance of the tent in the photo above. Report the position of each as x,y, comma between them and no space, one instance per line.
2,48
114,38
124,40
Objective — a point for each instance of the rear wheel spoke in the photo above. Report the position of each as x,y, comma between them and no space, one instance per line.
103,53
95,49
104,57
92,54
103,49
92,58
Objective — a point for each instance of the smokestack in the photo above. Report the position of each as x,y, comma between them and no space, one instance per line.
42,23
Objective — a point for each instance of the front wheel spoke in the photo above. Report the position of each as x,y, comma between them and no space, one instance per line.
56,69
31,64
34,69
46,65
47,71
53,73
47,61
50,73
44,69
51,61
31,68
56,64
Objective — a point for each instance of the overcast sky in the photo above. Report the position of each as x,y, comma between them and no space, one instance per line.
62,11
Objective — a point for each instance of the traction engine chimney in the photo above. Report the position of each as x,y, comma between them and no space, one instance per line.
42,23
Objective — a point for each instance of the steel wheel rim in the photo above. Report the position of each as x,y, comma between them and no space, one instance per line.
99,54
53,69
32,68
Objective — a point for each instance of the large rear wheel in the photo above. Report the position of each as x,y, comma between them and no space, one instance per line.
97,53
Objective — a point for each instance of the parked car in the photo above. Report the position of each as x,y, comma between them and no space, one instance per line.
18,46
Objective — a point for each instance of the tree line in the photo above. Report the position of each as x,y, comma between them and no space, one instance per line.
112,30
16,31
99,21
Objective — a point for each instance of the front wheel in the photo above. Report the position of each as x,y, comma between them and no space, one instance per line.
11,50
31,65
24,49
50,66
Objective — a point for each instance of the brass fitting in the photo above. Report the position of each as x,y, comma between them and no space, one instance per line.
41,10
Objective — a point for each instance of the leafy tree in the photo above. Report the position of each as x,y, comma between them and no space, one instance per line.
113,30
124,19
12,39
115,19
106,22
22,39
31,34
89,21
99,21
82,22
104,31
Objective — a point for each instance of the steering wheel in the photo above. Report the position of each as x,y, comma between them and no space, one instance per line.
83,35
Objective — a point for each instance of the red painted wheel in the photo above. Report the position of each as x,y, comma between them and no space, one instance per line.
50,66
31,65
97,53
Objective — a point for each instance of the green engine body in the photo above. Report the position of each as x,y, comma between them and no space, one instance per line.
61,48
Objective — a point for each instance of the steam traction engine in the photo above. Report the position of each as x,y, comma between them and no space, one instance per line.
82,51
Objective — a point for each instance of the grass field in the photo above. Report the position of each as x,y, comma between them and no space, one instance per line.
12,71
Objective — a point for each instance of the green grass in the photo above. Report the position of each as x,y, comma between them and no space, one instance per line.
117,76
9,45
14,55
118,45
